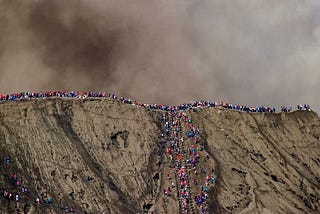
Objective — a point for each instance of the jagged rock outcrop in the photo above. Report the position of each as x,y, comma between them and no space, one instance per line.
98,155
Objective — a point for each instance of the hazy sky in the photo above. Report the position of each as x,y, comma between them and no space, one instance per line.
244,52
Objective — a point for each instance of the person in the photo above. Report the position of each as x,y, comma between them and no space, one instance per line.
6,159
70,210
212,179
24,189
14,176
169,176
49,201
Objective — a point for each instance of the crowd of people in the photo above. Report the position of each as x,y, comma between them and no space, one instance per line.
17,191
305,107
185,157
185,106
184,153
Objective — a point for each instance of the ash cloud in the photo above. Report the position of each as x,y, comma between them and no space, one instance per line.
246,52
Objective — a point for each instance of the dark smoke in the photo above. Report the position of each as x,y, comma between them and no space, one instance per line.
246,52
76,45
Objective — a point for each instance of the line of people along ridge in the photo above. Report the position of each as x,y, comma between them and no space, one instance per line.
185,106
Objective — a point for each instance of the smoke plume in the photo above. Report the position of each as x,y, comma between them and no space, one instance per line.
157,51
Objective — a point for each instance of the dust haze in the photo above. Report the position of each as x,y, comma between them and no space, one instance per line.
157,51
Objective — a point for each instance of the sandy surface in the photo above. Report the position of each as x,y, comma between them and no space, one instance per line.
92,155
268,163
102,156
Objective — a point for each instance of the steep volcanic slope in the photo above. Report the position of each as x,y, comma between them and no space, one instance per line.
93,155
98,155
268,163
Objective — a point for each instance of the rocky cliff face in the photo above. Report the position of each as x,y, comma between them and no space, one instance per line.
97,155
